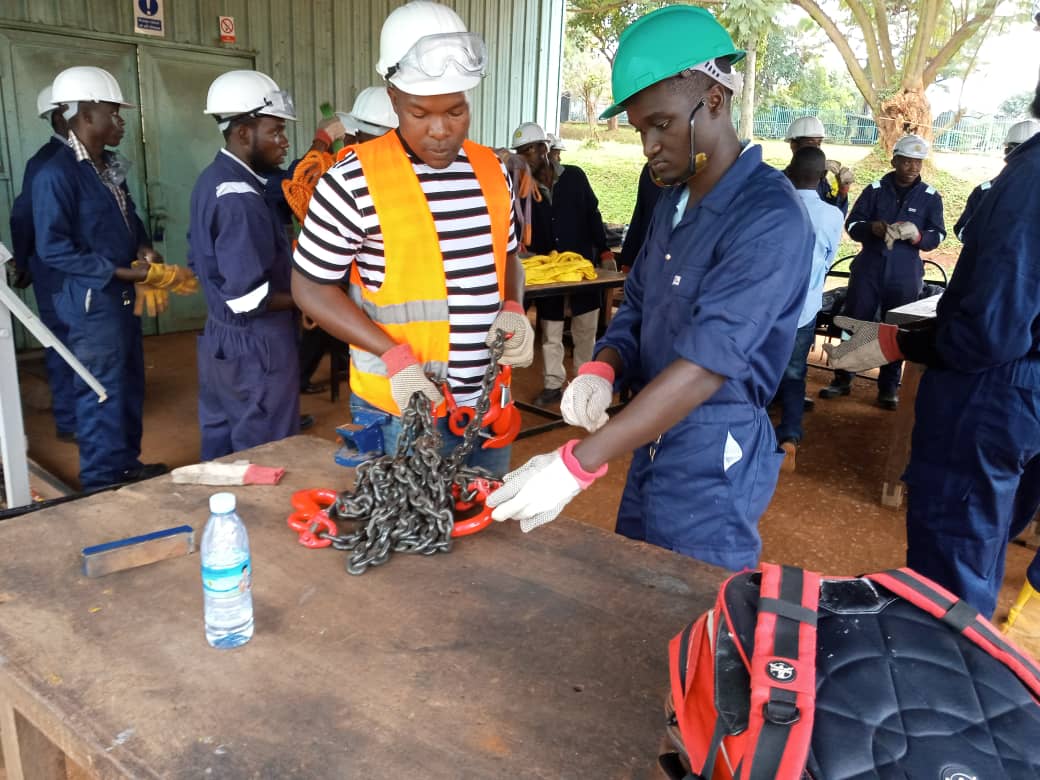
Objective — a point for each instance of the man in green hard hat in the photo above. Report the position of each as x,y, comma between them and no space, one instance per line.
709,317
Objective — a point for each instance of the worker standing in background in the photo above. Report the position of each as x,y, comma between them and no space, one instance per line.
974,471
807,166
809,131
647,193
90,237
247,353
895,219
46,281
567,219
708,321
420,223
372,116
1017,134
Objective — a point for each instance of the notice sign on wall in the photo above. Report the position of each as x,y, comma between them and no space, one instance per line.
148,17
227,29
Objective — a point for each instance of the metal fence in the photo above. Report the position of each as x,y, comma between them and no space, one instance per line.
970,134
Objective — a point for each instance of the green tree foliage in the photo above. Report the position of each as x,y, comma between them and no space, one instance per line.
1017,105
586,75
907,45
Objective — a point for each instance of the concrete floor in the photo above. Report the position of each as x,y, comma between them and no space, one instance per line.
825,516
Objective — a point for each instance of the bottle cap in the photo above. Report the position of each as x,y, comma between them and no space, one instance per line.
222,503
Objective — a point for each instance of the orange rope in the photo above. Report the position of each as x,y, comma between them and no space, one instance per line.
300,187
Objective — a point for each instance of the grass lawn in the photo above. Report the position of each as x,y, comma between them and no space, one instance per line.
613,164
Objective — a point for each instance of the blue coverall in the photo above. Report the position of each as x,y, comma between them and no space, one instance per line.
883,278
82,238
974,472
249,379
46,284
723,289
971,207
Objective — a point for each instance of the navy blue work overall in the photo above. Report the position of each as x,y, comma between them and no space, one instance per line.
723,289
248,359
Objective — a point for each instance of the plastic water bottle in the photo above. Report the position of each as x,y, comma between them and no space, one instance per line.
227,574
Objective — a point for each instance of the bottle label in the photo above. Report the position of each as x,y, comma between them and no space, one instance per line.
228,582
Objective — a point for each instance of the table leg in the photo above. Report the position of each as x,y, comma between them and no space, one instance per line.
28,754
899,439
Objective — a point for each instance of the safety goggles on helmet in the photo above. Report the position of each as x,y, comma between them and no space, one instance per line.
433,55
277,103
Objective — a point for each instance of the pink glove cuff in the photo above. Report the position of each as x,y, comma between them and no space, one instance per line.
325,138
398,358
598,368
262,475
585,478
888,342
514,307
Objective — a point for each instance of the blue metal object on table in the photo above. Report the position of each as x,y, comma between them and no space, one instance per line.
362,439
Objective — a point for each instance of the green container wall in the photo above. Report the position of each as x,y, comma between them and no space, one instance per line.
325,51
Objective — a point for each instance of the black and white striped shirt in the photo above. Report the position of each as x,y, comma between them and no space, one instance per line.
342,227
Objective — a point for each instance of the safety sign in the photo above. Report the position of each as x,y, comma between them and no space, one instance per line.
227,29
148,17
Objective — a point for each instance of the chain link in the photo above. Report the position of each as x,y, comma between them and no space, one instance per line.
405,502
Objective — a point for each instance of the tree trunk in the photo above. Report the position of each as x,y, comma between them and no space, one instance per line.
908,111
612,123
747,95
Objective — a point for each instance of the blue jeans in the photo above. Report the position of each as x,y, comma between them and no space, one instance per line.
494,460
791,393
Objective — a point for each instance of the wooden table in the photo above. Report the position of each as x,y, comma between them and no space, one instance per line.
517,655
605,280
915,313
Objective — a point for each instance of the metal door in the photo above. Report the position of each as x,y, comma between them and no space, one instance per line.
179,142
28,62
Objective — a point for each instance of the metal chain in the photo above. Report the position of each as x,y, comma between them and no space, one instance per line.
405,502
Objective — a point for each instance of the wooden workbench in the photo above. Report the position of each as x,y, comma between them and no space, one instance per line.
520,656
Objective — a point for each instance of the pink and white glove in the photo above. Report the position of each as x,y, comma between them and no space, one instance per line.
873,344
407,377
537,492
519,348
586,399
908,232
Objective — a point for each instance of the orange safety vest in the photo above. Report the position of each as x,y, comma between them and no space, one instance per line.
411,305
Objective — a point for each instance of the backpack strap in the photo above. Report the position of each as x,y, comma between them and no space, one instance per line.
962,618
783,675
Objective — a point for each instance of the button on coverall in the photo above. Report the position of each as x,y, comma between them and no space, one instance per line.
722,289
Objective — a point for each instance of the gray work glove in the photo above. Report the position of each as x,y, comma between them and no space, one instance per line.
586,399
407,377
519,347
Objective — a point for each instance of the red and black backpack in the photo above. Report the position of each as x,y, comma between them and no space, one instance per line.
883,677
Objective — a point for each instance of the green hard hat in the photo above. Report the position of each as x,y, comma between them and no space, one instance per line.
662,44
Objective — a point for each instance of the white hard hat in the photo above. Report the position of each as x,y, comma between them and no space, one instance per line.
529,133
1020,132
239,92
425,49
805,127
372,112
912,146
44,104
555,142
85,83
